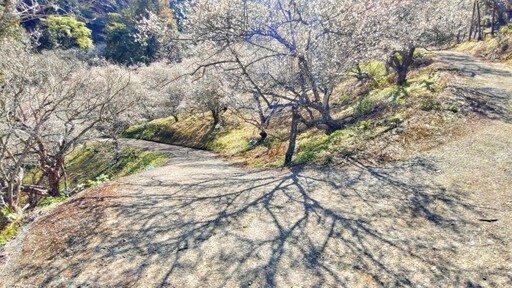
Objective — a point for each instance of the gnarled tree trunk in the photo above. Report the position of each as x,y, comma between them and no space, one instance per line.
54,183
293,136
401,61
12,188
263,136
54,174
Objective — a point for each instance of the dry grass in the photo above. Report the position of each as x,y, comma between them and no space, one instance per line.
68,222
498,48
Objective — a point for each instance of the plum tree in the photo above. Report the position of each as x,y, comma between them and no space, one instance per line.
48,105
292,54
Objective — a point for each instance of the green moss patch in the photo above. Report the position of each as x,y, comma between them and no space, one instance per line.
98,162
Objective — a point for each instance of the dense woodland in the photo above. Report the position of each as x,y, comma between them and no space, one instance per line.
72,70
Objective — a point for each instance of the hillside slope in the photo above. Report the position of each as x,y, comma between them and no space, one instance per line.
389,122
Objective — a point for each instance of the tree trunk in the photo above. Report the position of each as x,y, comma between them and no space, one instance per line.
55,174
479,23
293,136
473,26
401,77
493,21
117,150
331,125
11,203
13,192
54,182
216,116
263,136
401,66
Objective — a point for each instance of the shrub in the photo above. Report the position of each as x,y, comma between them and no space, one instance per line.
98,180
66,32
376,73
365,106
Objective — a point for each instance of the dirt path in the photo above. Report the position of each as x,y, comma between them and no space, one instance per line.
487,87
441,219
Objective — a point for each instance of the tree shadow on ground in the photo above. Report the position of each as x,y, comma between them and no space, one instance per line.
493,103
489,94
467,65
222,227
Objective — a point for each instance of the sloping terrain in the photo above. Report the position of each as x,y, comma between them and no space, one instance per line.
387,122
440,219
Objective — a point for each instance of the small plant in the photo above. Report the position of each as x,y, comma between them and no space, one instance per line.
395,120
430,104
149,168
98,180
48,201
397,93
5,211
506,30
365,106
8,232
454,108
365,126
422,59
8,225
427,84
375,72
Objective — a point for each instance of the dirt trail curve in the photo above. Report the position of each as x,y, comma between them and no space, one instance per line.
441,219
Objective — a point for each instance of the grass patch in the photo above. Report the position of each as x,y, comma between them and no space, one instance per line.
134,160
232,142
196,131
377,74
96,163
150,130
49,201
8,232
9,224
322,149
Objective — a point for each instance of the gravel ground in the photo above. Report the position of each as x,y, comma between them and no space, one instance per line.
439,219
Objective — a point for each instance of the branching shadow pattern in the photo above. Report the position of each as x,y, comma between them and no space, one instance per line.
204,222
486,89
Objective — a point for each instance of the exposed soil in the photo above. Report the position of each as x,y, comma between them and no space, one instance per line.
442,218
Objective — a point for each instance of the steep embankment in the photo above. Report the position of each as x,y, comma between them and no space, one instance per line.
87,166
441,218
497,48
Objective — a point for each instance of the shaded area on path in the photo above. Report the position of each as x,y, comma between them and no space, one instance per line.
487,88
206,222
